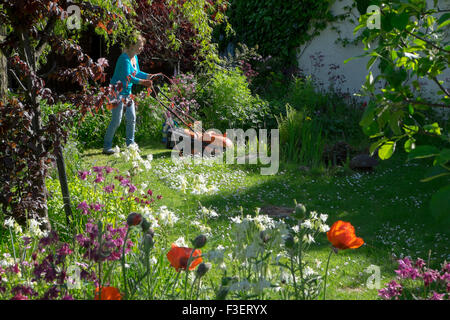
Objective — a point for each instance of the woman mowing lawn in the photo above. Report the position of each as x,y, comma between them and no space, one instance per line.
127,71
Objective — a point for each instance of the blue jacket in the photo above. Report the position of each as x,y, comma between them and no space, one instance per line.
124,69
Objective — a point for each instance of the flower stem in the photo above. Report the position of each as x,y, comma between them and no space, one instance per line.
326,275
187,271
123,264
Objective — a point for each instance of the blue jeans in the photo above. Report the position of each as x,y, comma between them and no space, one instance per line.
130,116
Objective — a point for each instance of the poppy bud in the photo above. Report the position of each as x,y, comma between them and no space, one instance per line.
202,269
289,241
134,219
199,242
148,241
300,211
146,225
264,236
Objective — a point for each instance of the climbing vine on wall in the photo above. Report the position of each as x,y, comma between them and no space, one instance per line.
278,27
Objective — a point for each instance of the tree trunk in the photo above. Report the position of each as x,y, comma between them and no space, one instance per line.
3,68
64,185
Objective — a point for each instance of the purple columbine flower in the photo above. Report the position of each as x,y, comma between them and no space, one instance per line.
64,250
124,182
109,170
82,175
430,277
96,206
394,290
419,263
437,296
109,189
83,206
99,178
132,188
97,169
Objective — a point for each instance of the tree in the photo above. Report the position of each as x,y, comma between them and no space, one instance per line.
179,32
412,43
28,146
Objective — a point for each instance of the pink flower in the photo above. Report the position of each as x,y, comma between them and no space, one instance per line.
437,296
394,290
109,189
82,175
99,178
83,206
132,188
430,277
19,297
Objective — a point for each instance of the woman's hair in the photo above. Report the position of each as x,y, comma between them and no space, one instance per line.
132,39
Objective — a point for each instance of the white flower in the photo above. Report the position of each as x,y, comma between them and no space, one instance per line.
261,285
318,263
296,228
180,242
150,157
253,250
308,271
243,285
236,219
308,238
307,224
9,222
324,228
323,217
34,228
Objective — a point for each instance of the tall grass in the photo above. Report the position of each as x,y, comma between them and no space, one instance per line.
301,137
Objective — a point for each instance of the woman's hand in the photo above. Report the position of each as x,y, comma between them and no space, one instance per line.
146,83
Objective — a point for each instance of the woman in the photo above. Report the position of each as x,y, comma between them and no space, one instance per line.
127,71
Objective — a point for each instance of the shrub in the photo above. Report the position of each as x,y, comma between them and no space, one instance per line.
227,102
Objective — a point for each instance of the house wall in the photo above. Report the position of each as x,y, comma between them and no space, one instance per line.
334,54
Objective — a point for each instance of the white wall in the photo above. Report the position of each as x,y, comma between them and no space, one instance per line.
355,70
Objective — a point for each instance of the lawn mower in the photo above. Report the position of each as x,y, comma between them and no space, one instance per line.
210,141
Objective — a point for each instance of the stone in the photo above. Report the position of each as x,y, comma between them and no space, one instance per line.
363,162
276,211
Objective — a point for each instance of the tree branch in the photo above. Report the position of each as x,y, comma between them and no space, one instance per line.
45,36
441,87
428,42
438,105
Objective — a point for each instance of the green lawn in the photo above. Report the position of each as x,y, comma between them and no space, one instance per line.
389,209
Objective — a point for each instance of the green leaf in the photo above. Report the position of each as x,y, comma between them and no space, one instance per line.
400,21
410,144
433,128
386,150
375,145
440,203
443,157
421,152
410,130
434,173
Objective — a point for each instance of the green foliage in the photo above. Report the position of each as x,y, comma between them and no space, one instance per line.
411,44
278,27
338,113
228,102
301,137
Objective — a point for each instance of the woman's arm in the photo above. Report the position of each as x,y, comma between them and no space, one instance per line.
140,74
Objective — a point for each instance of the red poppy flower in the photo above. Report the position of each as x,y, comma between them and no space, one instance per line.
342,236
108,293
178,257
